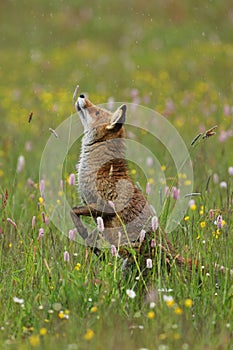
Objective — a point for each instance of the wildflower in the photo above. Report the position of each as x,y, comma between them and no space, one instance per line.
186,218
43,331
12,223
41,234
193,207
149,263
175,193
149,161
100,224
188,303
168,299
154,223
153,243
33,221
142,235
166,191
42,187
223,184
131,293
201,212
66,256
77,267
93,309
230,170
215,178
163,167
89,334
34,340
211,214
219,221
112,205
151,314
148,188
21,163
72,179
41,200
18,300
178,310
72,234
203,224
113,250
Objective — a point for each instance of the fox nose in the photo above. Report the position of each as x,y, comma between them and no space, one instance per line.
80,102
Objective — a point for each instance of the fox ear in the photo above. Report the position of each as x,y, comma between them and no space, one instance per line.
118,117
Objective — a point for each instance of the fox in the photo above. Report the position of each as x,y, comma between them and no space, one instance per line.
107,190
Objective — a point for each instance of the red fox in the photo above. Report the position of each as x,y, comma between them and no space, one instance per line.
107,190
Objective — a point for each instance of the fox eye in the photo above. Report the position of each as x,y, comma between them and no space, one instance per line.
97,113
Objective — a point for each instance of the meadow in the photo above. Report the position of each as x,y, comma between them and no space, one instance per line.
172,57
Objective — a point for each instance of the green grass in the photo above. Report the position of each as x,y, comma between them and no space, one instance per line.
168,51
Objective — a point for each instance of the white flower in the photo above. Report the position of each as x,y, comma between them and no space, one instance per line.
167,298
131,293
18,300
149,263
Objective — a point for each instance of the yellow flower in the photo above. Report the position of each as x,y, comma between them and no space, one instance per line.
78,267
61,315
60,193
151,181
193,207
170,303
93,309
58,201
41,200
89,334
188,182
34,340
1,172
43,331
178,310
163,167
186,218
203,224
151,314
188,303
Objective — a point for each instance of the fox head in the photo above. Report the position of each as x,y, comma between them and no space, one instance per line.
100,124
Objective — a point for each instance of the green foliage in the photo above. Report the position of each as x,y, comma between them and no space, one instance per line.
179,57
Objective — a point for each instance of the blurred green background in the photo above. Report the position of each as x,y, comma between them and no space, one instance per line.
178,55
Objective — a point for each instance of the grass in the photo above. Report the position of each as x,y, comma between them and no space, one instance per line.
179,58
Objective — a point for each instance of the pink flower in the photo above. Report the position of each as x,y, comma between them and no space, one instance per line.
72,179
215,178
152,243
211,214
148,188
72,234
66,256
219,222
154,223
167,191
113,250
149,161
175,193
21,163
230,170
42,187
100,224
12,223
41,234
149,263
142,235
112,205
33,221
223,184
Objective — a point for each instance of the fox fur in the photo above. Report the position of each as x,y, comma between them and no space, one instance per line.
107,190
